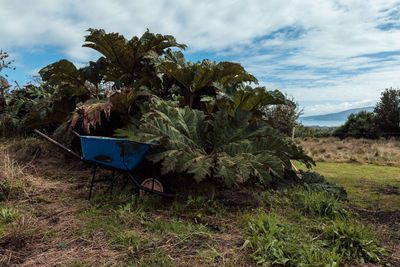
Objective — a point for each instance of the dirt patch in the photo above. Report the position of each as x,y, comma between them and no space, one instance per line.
237,200
389,190
50,235
389,218
387,223
15,248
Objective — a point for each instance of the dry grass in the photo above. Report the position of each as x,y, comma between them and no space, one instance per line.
57,226
45,232
377,152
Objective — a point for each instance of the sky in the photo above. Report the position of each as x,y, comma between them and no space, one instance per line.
328,55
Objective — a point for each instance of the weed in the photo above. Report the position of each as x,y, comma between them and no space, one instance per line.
321,204
133,210
157,260
209,256
266,237
8,214
274,242
354,241
308,202
129,241
174,226
62,245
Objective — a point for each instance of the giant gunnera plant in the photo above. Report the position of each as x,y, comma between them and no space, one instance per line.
231,149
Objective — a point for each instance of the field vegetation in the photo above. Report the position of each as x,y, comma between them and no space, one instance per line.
45,218
378,152
223,147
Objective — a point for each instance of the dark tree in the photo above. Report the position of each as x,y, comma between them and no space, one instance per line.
358,125
387,112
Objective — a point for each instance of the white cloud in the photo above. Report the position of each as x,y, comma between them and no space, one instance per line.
333,108
324,46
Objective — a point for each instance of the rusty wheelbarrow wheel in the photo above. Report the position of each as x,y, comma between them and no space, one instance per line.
155,184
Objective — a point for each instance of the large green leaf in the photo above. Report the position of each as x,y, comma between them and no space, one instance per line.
198,79
128,61
64,76
233,96
229,149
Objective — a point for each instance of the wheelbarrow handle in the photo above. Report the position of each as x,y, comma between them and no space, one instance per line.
76,134
58,144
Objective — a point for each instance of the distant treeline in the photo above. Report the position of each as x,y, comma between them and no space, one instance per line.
383,122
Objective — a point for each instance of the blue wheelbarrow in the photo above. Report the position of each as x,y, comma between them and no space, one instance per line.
115,154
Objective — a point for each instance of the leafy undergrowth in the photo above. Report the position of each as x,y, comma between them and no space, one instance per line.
48,221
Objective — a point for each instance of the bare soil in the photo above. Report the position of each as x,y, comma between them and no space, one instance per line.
48,234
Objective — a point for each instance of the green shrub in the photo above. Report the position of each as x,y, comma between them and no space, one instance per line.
8,214
314,181
175,227
354,241
228,148
11,188
157,260
128,240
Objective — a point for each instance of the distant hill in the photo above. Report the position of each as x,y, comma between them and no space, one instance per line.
339,116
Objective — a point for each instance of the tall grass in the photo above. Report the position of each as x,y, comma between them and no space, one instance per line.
14,180
379,152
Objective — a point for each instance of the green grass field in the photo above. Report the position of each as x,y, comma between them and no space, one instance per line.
368,186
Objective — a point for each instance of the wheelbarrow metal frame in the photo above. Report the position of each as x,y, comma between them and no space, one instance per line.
96,164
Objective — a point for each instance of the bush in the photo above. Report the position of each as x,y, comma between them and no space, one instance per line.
13,179
316,182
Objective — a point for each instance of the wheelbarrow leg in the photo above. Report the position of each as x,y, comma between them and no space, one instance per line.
112,180
92,182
